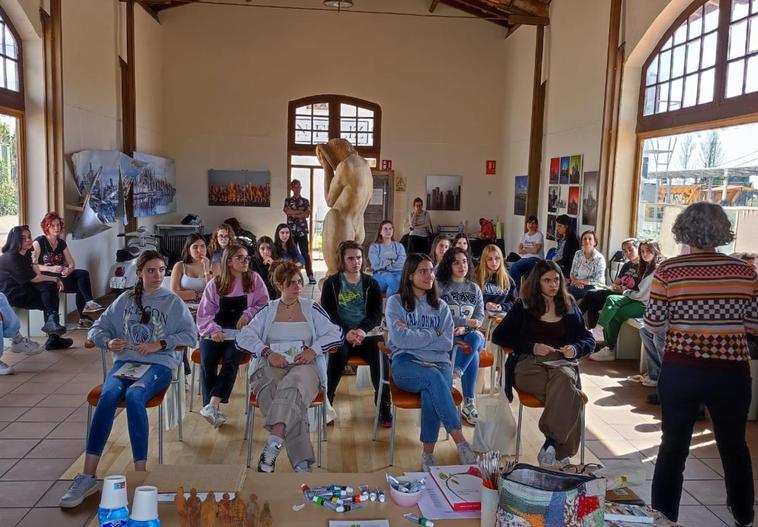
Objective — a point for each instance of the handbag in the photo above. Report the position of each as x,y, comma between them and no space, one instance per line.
495,429
538,497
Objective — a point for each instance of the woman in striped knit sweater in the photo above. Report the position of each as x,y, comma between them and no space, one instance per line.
707,303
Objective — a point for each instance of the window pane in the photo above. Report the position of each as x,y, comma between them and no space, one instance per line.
2,75
696,23
751,82
347,125
663,98
709,51
349,137
706,86
321,123
665,71
737,39
305,160
667,44
321,108
363,112
303,110
365,125
10,44
693,56
302,138
740,9
320,137
652,72
365,139
680,35
734,77
690,90
755,7
9,204
347,110
675,95
753,44
302,123
11,70
677,68
711,16
650,100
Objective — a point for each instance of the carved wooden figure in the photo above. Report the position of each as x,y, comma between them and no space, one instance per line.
251,512
237,511
209,511
265,519
181,507
193,508
225,510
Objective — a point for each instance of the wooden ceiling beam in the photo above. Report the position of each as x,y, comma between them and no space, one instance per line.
529,20
477,9
529,7
433,5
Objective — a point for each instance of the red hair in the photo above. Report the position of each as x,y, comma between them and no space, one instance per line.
48,220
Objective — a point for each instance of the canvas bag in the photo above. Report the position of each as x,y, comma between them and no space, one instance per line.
495,428
535,496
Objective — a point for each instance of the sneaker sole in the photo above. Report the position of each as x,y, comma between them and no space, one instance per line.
209,418
72,504
264,469
602,359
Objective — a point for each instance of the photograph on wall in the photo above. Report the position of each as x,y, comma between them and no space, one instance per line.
553,194
155,187
565,162
550,231
519,199
589,200
575,170
555,169
239,188
573,201
562,200
443,192
575,226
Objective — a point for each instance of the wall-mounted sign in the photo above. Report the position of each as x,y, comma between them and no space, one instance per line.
386,164
399,184
491,167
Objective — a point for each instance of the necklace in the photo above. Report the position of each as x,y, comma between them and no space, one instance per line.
297,300
287,307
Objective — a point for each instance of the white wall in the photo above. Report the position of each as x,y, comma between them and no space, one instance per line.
230,72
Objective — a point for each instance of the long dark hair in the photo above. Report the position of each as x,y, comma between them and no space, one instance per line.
342,250
225,280
13,241
407,296
469,254
289,250
644,269
379,238
445,268
192,238
435,243
531,292
268,241
139,287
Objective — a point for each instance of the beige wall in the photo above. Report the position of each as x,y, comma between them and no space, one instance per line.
230,72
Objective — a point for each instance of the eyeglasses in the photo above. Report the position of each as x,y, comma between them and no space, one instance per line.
241,258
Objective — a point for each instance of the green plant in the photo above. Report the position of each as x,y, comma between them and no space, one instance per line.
8,198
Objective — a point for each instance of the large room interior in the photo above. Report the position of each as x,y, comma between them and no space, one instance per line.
654,101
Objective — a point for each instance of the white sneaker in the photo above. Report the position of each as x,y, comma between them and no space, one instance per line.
427,460
546,457
220,418
209,412
5,369
267,461
27,346
605,354
92,307
597,334
650,383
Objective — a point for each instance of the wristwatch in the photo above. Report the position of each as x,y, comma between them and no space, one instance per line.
164,344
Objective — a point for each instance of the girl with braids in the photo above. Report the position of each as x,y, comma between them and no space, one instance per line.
229,302
143,326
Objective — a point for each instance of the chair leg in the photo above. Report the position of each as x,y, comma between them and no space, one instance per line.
103,360
179,393
518,430
493,369
392,435
249,432
160,434
89,424
581,455
192,386
321,409
377,408
323,416
247,387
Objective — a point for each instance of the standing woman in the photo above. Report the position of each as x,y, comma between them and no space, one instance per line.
387,258
51,252
143,326
190,275
286,383
285,247
419,228
588,267
420,329
464,298
498,289
229,302
707,303
545,324
26,288
440,245
261,264
222,237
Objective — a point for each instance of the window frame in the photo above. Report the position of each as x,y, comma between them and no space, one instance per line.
9,99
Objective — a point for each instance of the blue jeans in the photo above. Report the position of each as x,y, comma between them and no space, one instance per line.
653,344
468,363
10,324
388,281
521,268
136,394
434,384
579,292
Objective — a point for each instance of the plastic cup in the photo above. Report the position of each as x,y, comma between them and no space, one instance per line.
490,500
114,493
145,506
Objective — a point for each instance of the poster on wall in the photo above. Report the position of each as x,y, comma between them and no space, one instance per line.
565,162
239,188
443,192
553,195
550,230
573,201
555,170
562,200
155,186
519,199
589,200
575,169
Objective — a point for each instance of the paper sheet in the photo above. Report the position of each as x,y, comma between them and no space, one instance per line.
169,497
433,504
359,523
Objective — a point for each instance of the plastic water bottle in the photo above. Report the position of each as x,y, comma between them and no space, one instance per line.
113,511
145,507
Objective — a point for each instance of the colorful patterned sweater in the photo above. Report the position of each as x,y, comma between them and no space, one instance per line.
710,302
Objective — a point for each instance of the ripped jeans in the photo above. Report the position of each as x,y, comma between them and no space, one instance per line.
135,394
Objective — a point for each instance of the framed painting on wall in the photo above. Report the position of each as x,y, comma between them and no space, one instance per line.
575,169
443,192
555,170
573,201
553,195
239,188
589,200
519,198
550,230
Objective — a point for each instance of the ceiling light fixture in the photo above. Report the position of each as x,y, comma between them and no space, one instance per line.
339,4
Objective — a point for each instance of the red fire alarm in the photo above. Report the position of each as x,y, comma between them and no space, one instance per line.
491,167
386,164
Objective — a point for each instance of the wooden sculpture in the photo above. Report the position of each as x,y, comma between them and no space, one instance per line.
193,508
237,512
265,519
251,512
225,510
181,507
348,187
209,511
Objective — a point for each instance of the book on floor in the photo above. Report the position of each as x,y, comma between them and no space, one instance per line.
460,484
624,495
623,513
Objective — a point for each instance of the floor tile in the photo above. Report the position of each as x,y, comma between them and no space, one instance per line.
12,413
619,448
22,493
75,388
38,469
6,464
79,415
21,399
723,513
697,469
37,387
707,492
53,496
45,517
69,430
15,448
698,516
59,401
46,415
23,430
57,448
715,465
11,517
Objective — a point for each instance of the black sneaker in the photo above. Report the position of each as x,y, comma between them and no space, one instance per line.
54,342
52,326
311,280
267,461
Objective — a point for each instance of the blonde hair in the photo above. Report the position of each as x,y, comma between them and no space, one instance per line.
483,273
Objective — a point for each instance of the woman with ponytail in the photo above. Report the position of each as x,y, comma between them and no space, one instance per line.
143,326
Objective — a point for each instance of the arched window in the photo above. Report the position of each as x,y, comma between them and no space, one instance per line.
315,120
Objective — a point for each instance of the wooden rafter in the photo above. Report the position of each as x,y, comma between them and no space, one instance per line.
433,5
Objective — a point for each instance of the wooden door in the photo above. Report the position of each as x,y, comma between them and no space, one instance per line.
380,206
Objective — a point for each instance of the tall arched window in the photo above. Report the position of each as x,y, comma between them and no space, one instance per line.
698,121
315,120
11,127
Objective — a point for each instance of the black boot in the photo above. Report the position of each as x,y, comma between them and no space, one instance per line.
54,342
52,326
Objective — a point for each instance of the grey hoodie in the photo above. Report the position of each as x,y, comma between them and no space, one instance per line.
428,332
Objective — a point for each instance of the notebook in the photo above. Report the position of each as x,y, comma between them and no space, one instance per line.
460,484
290,349
132,371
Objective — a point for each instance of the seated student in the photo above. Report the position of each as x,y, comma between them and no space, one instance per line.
142,326
9,328
285,247
464,298
567,246
387,258
631,304
594,300
353,301
221,238
26,288
283,384
420,329
588,268
530,251
229,302
498,289
545,325
440,245
51,252
261,264
460,240
190,275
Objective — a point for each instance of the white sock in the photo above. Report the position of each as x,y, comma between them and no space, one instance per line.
275,440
